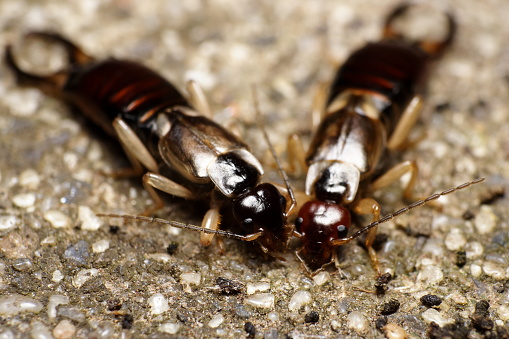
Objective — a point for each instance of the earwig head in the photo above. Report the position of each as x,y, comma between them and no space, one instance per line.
320,223
262,209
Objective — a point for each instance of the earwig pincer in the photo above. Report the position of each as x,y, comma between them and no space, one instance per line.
372,104
180,151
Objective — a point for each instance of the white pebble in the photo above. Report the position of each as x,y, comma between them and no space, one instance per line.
321,278
64,330
40,331
455,240
170,328
100,246
57,219
503,312
216,321
474,249
54,301
493,270
430,275
30,179
357,322
433,315
261,300
273,316
252,288
485,221
89,221
299,299
57,276
8,221
158,304
82,276
393,331
24,200
475,270
15,303
188,279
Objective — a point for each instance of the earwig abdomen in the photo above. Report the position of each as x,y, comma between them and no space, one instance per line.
391,68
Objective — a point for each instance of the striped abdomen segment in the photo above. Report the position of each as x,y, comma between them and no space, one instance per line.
127,89
391,68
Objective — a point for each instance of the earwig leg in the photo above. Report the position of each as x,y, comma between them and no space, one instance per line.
364,207
210,221
432,48
408,119
75,55
308,270
296,155
133,145
318,109
151,181
397,172
198,99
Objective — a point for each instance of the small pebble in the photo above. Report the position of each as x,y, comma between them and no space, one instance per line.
22,265
485,221
24,200
188,279
40,331
89,221
57,219
30,179
216,321
158,304
82,276
8,222
228,286
461,258
475,270
127,322
78,252
252,288
430,300
393,331
299,299
242,312
380,323
54,301
321,278
357,322
273,316
250,329
432,315
261,300
71,312
503,312
390,307
474,250
57,276
13,304
493,270
430,275
100,246
455,240
312,317
170,328
64,330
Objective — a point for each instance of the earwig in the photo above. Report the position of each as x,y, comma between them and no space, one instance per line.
372,104
180,151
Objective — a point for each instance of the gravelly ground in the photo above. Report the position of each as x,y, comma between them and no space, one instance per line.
99,283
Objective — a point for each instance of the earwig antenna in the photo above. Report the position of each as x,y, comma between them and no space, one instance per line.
177,224
339,242
282,172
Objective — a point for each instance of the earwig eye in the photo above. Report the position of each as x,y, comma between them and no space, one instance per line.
342,231
298,223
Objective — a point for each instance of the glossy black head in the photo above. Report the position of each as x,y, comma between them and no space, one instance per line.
263,209
320,223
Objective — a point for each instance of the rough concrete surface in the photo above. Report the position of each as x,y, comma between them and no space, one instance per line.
64,272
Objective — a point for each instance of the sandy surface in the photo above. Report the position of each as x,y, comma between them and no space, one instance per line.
60,277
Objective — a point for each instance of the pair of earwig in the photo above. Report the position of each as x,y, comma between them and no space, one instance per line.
372,104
